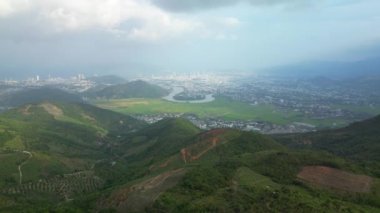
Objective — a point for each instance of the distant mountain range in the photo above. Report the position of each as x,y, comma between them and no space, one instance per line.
337,70
107,79
71,157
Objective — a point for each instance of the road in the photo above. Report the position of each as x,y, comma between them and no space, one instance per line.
23,163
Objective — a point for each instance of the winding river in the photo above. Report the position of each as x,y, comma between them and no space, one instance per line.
177,90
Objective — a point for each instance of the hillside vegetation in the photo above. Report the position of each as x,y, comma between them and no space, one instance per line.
50,139
358,142
79,158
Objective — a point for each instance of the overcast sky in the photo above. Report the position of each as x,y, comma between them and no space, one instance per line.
125,37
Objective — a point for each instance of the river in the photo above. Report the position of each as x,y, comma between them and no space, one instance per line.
177,90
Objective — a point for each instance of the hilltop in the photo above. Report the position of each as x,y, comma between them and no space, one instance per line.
133,89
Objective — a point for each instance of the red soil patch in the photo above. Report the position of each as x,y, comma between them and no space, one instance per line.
161,165
198,150
184,155
335,179
207,141
166,163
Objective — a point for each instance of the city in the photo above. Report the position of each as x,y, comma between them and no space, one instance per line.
305,102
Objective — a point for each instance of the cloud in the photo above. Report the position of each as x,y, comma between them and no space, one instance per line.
10,7
195,5
144,20
175,5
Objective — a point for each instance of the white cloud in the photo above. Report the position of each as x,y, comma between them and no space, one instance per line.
10,7
108,15
231,22
84,14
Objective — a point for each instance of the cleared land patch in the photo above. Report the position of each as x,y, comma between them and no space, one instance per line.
25,110
208,141
335,179
52,109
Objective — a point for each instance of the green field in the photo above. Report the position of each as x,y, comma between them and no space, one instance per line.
221,107
360,109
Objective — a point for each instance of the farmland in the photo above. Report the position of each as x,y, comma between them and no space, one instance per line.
221,107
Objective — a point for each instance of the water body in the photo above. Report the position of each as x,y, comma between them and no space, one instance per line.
177,90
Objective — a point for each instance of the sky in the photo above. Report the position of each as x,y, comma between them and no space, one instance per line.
145,37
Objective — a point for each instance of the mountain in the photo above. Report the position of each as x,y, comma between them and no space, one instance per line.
36,95
107,79
160,140
168,150
134,89
72,122
337,70
358,141
226,170
62,138
76,157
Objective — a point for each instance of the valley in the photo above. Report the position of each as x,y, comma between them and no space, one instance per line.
189,106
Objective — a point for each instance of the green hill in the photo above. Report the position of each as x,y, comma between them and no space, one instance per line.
359,142
37,95
160,140
107,79
139,151
81,158
253,173
227,170
134,89
58,138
